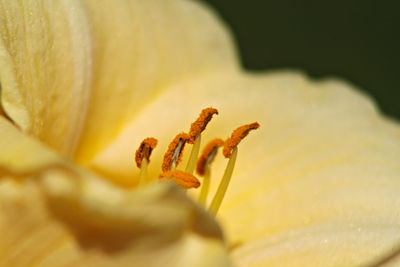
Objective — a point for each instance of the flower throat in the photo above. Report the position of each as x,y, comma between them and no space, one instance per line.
185,179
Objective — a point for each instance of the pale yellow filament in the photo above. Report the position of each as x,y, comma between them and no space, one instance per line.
143,172
205,186
219,196
193,155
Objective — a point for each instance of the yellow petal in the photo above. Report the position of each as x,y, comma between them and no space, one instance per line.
45,62
2,113
317,183
99,62
54,214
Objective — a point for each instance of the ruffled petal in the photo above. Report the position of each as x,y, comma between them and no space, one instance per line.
322,169
74,72
54,214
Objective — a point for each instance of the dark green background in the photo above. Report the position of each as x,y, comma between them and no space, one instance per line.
356,40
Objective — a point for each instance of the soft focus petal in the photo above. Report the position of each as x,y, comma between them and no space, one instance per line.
74,72
317,184
53,214
2,113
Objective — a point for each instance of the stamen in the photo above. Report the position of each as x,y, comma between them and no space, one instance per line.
208,155
230,151
237,136
183,179
144,150
203,166
142,157
174,153
195,131
201,123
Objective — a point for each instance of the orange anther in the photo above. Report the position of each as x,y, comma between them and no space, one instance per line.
174,152
144,150
201,123
183,179
208,155
237,136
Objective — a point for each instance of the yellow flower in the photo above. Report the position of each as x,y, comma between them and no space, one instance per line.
83,82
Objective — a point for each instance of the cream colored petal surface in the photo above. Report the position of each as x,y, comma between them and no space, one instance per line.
45,66
140,47
54,214
321,171
73,72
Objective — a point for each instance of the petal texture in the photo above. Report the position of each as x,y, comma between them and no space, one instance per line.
45,67
140,47
99,62
54,214
317,184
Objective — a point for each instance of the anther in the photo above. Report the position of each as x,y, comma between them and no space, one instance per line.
144,150
230,151
183,179
142,157
203,166
208,154
174,153
237,136
201,123
195,131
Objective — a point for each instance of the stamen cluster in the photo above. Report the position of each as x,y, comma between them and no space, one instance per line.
173,157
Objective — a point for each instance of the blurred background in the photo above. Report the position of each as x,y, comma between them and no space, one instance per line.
356,40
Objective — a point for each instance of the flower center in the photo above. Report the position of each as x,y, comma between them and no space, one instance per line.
186,179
